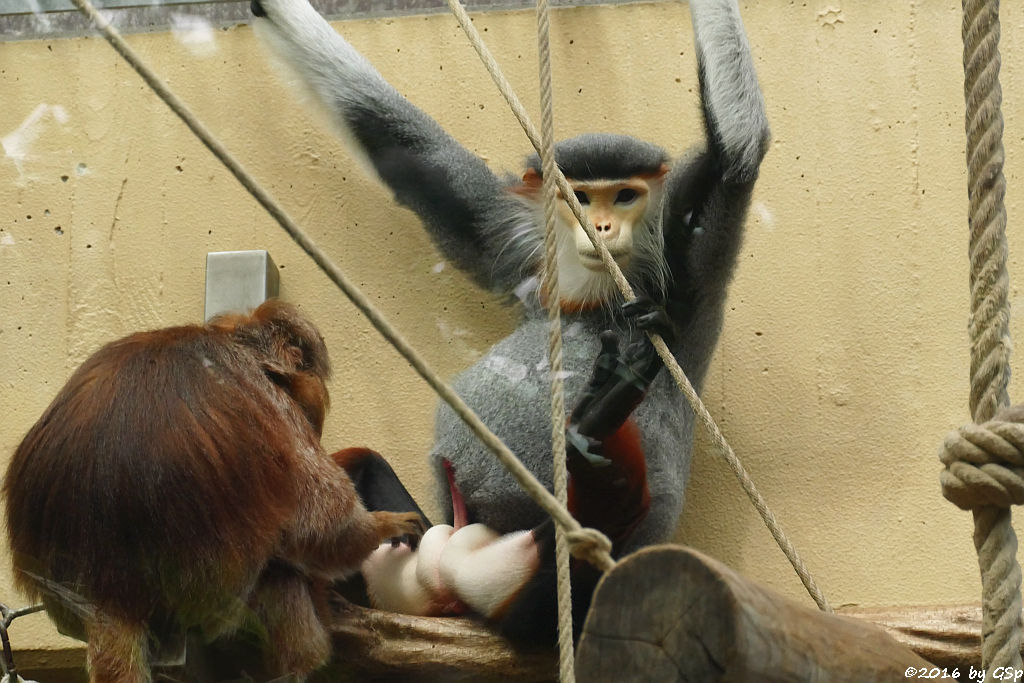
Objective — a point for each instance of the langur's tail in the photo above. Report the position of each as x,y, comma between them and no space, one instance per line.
118,651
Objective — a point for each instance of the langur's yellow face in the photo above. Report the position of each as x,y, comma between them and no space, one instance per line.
616,209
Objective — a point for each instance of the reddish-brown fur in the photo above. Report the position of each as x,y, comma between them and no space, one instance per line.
352,456
169,471
615,498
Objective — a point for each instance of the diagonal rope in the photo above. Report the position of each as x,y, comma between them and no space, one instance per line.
566,658
588,544
994,537
703,416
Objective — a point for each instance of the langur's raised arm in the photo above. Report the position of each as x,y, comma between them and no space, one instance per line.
734,116
451,189
709,196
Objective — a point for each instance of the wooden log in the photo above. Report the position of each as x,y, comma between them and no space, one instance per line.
947,635
669,613
371,645
380,646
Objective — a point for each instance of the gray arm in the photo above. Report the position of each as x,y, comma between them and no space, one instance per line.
462,203
709,193
734,115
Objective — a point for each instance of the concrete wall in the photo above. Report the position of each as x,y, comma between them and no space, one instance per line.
844,359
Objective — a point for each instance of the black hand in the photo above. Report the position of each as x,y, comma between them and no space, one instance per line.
604,369
650,317
619,380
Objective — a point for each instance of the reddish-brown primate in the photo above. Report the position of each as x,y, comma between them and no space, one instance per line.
177,481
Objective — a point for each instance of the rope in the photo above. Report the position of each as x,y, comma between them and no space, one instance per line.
566,658
985,463
462,17
703,416
984,486
985,473
587,544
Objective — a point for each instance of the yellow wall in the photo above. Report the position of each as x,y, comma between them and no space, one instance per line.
844,359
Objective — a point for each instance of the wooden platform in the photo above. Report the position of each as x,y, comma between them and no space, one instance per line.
666,613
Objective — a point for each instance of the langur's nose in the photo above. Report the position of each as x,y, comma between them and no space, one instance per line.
608,230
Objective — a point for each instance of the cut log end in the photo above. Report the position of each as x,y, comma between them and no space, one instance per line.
669,613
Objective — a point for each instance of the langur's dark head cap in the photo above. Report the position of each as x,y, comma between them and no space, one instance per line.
604,156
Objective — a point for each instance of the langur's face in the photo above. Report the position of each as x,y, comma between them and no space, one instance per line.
616,210
622,212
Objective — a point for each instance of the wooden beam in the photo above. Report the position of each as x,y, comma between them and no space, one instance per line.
676,613
946,635
378,644
669,613
382,646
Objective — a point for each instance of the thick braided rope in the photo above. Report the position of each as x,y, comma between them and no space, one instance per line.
566,657
994,537
587,544
989,325
722,447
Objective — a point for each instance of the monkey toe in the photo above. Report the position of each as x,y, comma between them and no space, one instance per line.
257,9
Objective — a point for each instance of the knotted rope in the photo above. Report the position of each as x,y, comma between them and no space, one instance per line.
983,463
985,473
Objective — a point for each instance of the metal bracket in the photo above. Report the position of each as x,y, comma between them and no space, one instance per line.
8,615
237,281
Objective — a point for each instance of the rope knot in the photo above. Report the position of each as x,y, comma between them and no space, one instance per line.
985,463
590,545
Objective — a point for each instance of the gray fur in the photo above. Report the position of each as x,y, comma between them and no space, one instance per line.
495,238
730,95
603,156
514,374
